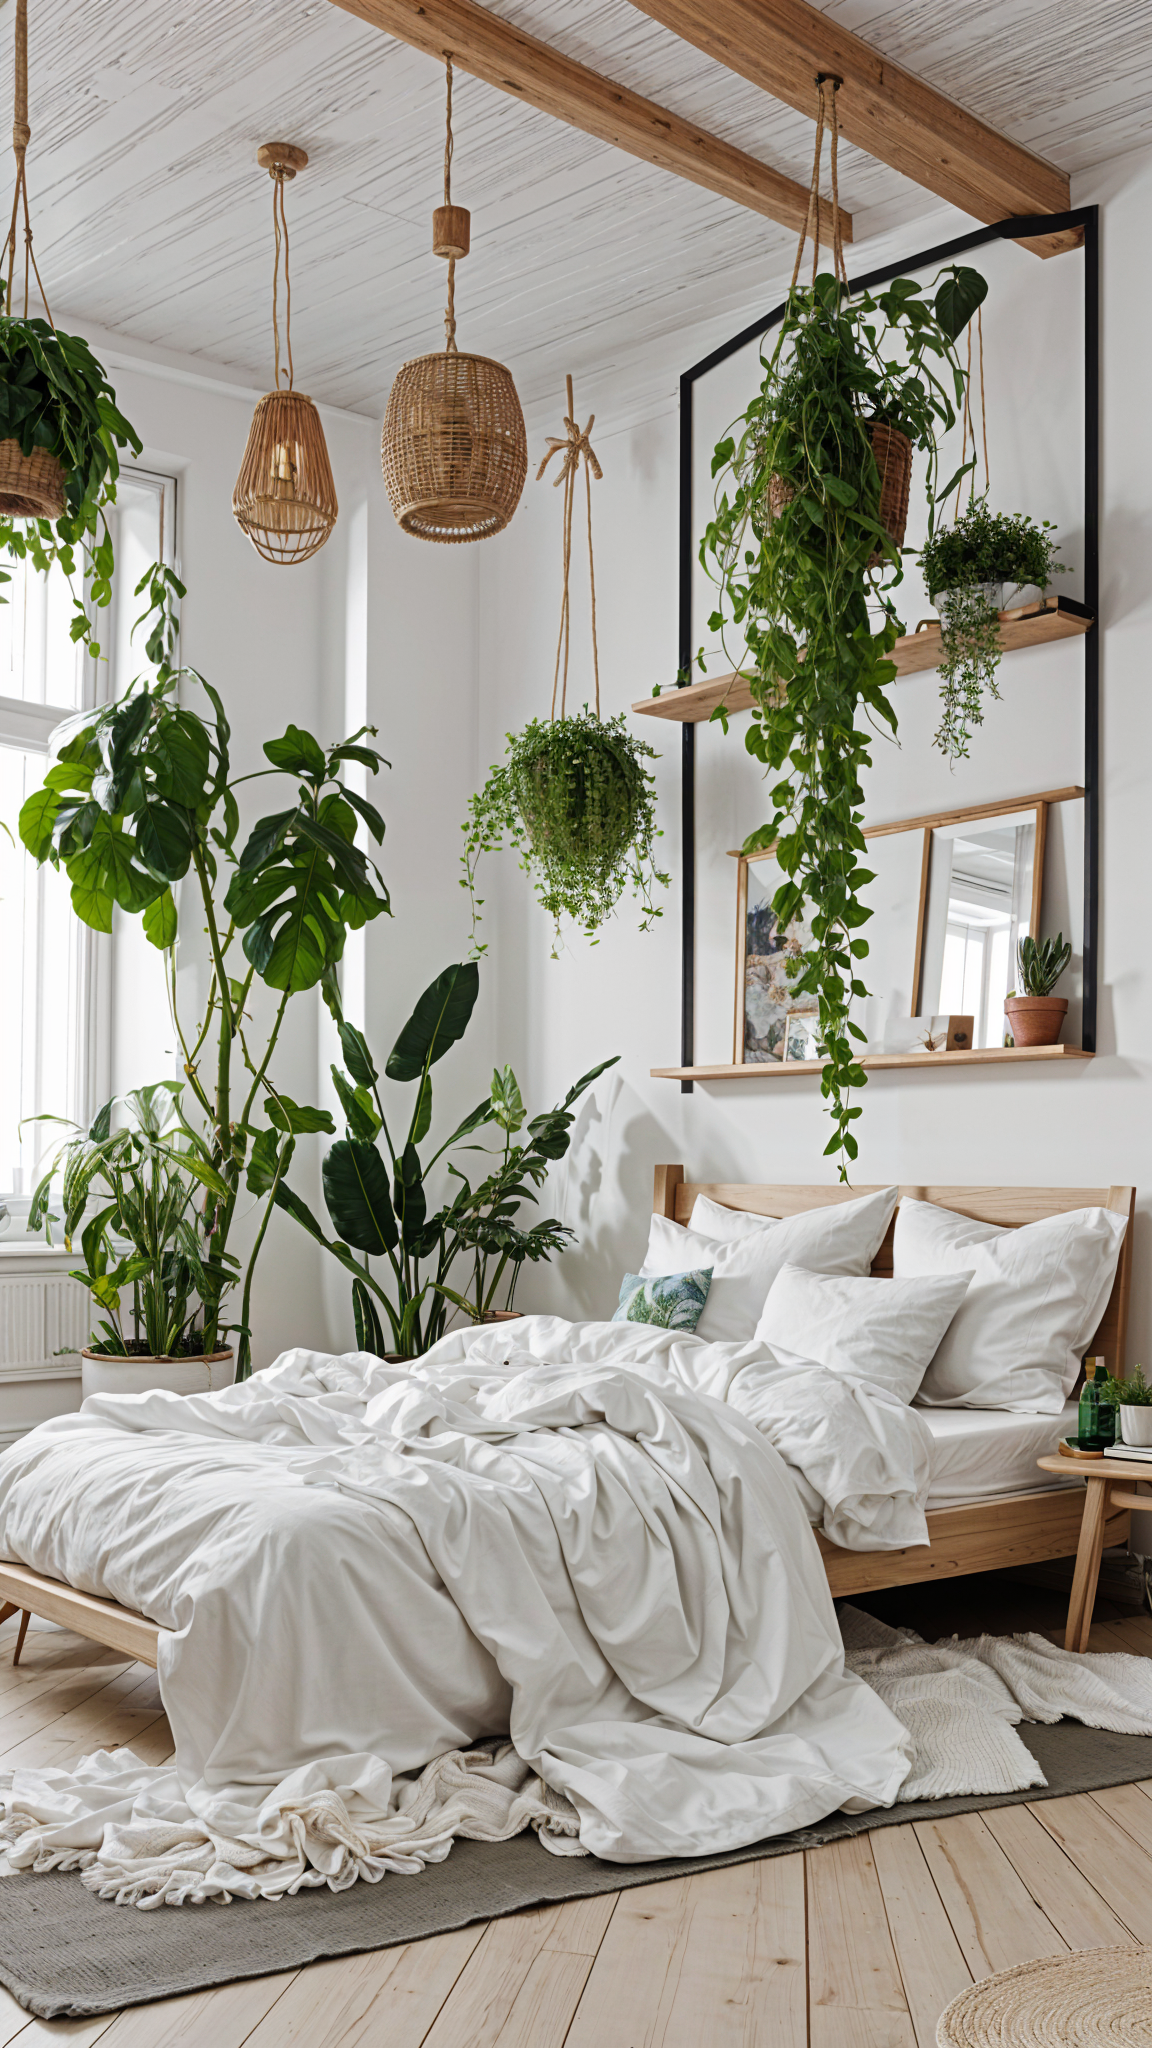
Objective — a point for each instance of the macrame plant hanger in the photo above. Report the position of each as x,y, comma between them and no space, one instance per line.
572,446
31,486
453,450
285,495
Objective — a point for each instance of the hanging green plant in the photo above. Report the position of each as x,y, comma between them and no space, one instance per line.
574,798
965,568
59,423
806,532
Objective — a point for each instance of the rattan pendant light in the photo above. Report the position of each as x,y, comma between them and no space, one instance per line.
453,449
285,496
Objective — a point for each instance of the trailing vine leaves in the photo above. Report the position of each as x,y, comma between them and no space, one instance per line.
576,802
54,395
797,575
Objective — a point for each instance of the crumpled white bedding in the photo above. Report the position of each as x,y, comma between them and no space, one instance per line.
578,1537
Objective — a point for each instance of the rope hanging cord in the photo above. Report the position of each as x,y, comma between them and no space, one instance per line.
450,310
21,137
827,88
573,445
280,229
968,424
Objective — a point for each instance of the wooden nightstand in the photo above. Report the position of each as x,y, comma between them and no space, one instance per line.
1109,1488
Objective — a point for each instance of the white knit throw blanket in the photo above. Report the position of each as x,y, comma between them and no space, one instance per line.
961,1702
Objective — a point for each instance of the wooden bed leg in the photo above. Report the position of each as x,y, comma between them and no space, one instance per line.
25,1618
9,1607
1088,1554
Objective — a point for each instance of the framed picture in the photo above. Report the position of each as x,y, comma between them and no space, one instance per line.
802,1036
765,996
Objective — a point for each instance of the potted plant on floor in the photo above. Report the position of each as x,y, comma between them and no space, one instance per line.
966,568
1132,1400
380,1206
1034,1014
142,795
145,1263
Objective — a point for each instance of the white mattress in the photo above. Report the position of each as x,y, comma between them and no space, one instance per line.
982,1453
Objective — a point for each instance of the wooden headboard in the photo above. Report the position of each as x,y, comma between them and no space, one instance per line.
1010,1207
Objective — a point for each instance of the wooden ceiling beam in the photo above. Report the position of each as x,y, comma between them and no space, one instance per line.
781,46
504,56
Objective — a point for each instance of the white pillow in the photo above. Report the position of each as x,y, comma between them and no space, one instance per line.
843,1238
1036,1297
883,1331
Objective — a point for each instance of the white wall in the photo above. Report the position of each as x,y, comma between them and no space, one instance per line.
1084,1126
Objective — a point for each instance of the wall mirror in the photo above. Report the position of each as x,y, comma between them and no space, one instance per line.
980,896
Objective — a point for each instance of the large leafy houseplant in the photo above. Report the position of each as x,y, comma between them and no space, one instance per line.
576,802
132,1196
55,396
142,796
798,550
965,567
379,1203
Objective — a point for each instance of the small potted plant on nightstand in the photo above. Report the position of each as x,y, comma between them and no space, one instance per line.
1034,1014
1132,1400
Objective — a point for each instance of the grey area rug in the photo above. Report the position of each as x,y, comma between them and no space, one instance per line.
64,1953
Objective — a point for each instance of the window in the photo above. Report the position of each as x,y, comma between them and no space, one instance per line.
56,980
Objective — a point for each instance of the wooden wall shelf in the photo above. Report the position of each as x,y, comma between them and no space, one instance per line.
934,1062
1061,619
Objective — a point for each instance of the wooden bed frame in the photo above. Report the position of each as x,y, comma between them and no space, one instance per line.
1019,1529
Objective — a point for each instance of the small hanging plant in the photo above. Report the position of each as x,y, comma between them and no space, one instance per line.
574,798
59,424
965,568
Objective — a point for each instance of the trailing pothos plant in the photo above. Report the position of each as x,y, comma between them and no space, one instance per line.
577,803
378,1200
798,568
54,395
963,565
141,796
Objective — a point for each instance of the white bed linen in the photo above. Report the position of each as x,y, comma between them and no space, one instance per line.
984,1453
364,1567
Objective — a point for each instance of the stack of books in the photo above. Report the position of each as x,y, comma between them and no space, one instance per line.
1141,1453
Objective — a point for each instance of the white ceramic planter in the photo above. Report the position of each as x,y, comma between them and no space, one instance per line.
103,1375
1135,1424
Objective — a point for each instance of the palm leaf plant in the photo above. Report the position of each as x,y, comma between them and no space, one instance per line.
378,1201
141,797
798,550
965,567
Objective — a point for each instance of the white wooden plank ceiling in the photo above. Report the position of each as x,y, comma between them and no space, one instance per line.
153,219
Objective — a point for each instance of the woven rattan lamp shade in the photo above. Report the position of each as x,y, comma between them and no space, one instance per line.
454,450
285,496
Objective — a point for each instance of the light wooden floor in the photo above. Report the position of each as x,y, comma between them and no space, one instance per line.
858,1945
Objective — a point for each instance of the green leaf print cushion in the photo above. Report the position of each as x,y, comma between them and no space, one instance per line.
673,1301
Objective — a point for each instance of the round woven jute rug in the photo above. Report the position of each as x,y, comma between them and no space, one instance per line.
1095,1997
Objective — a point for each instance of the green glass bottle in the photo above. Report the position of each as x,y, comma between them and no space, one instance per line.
1097,1417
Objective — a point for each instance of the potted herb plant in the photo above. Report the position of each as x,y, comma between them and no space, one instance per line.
378,1201
966,568
1132,1400
132,1196
803,538
60,429
142,795
1034,1014
576,801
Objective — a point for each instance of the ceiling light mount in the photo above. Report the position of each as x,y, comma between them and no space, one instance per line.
281,159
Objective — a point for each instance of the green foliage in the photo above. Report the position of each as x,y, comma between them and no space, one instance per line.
797,586
54,395
578,805
379,1207
958,562
142,795
1130,1393
145,1181
1040,963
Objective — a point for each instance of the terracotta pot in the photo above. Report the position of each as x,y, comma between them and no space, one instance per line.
1036,1020
103,1374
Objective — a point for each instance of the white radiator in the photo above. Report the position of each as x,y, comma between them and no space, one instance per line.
45,1317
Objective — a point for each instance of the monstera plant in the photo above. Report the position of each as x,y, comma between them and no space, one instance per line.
141,795
800,551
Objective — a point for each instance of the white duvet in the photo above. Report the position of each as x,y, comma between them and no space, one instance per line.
592,1538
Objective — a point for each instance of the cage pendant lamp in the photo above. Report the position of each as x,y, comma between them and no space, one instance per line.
285,496
453,450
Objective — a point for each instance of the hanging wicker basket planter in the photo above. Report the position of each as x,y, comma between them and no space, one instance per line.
453,450
285,495
893,453
31,486
453,447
